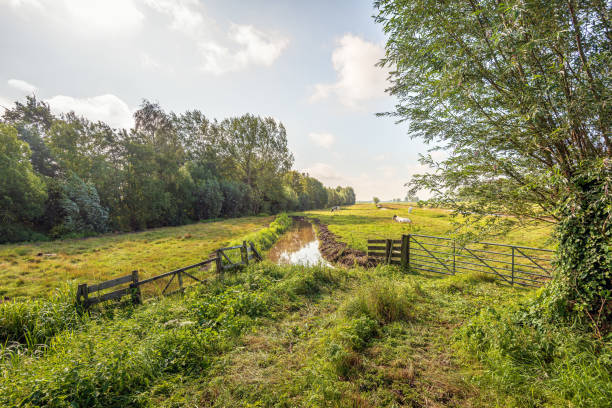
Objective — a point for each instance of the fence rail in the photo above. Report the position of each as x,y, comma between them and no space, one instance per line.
223,262
513,264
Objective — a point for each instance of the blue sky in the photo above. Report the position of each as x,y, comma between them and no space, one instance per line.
309,64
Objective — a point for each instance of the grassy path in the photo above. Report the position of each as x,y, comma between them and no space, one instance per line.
298,359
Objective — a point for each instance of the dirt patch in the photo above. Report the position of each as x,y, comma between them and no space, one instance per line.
338,252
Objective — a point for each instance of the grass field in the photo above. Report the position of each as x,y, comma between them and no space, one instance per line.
25,273
282,336
286,336
355,224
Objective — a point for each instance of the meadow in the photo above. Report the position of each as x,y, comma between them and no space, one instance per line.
295,336
357,223
35,269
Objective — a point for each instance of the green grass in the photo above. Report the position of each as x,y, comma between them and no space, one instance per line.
357,223
90,260
289,336
293,336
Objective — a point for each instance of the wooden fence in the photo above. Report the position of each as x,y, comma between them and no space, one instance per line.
512,264
89,295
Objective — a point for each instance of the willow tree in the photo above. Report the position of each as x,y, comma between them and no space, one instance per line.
518,93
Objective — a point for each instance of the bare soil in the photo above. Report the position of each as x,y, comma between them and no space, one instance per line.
338,252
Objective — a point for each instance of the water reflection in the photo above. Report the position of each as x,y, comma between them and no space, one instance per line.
299,246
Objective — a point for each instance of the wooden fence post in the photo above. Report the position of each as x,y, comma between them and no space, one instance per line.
388,250
180,280
82,295
136,295
244,254
405,249
512,283
219,262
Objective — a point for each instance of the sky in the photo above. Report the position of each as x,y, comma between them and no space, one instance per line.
309,64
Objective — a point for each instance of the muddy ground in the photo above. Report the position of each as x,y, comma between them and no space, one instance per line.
338,252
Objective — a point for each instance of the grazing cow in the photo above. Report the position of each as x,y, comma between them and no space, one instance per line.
335,208
409,210
402,219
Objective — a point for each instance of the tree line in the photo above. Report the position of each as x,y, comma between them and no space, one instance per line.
66,176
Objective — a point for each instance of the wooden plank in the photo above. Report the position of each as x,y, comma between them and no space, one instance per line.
376,241
163,275
228,248
376,247
118,294
376,255
109,283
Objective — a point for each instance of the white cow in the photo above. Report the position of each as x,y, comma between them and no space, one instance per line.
335,208
402,219
409,210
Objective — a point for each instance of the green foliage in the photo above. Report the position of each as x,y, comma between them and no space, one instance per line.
583,280
21,191
518,94
75,208
170,169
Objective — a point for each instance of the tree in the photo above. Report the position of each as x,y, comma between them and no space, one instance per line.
376,200
518,93
254,150
22,192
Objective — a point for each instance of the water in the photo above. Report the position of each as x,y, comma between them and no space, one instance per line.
298,246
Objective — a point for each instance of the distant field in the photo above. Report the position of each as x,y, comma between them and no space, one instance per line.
355,224
25,273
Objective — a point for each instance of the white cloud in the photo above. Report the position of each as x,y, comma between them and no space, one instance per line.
22,86
325,140
252,47
104,16
358,79
184,14
107,108
87,17
148,62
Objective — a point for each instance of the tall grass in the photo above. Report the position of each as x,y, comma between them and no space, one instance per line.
37,321
551,366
